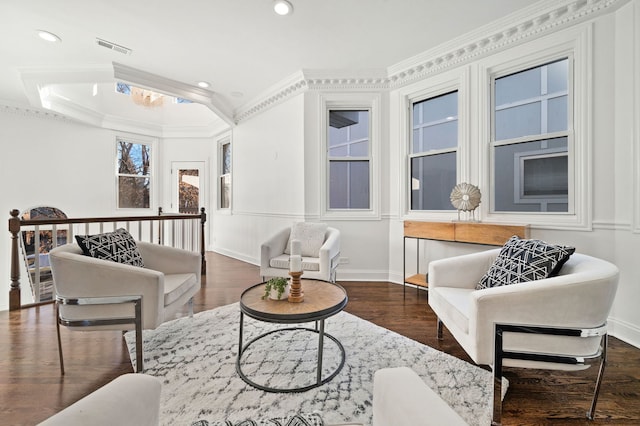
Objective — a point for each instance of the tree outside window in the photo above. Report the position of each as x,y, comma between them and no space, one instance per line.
225,175
134,175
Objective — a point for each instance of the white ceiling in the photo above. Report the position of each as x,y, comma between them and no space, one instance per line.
239,46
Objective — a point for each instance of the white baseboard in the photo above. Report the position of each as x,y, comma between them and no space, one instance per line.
624,331
344,274
235,255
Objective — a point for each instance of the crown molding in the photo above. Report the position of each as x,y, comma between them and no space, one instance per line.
540,19
31,112
276,94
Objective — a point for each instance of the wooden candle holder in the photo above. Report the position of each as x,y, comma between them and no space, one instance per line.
295,293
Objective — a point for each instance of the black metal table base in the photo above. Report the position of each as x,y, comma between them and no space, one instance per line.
319,380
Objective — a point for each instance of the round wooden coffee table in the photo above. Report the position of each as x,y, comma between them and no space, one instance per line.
321,301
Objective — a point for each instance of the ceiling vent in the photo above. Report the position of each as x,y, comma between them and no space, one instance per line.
113,46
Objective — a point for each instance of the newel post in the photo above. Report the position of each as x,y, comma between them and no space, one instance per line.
14,293
203,219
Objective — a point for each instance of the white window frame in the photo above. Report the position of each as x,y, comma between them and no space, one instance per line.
455,80
152,143
432,152
220,175
577,45
354,102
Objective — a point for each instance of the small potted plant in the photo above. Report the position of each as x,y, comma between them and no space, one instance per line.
276,288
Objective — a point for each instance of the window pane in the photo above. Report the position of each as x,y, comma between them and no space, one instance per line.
225,191
339,151
348,133
133,158
360,130
557,76
432,179
349,184
188,191
359,149
518,121
435,123
532,176
517,87
557,114
439,136
438,108
133,192
532,102
226,158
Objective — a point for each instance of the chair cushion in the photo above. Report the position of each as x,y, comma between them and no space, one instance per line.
282,262
310,235
525,260
455,303
175,285
117,246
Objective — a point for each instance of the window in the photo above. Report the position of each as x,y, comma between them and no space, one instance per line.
134,175
349,156
531,138
225,175
434,146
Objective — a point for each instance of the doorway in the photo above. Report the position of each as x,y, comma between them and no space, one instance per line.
188,186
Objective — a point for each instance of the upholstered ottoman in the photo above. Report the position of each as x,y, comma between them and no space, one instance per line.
130,399
401,398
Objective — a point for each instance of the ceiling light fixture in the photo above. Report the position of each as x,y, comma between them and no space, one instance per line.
50,37
203,84
282,7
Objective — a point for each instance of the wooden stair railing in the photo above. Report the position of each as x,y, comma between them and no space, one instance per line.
164,226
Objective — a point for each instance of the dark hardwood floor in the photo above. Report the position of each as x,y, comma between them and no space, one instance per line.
32,389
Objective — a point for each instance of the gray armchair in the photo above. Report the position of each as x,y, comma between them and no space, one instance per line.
104,295
274,262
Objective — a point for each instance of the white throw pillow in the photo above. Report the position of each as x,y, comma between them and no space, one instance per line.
310,235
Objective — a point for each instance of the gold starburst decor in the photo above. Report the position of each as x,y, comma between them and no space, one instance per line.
465,198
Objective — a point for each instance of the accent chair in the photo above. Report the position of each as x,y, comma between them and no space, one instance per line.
552,323
98,294
320,251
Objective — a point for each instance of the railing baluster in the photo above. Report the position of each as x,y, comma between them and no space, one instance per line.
36,263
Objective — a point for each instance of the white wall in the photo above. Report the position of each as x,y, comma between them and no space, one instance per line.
267,180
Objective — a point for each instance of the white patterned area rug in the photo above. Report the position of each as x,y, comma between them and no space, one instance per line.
196,360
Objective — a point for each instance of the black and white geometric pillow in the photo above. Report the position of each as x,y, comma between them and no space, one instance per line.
117,246
525,260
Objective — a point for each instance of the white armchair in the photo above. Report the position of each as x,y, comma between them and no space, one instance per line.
104,295
274,262
570,311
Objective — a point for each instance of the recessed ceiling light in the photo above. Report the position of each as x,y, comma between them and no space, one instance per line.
50,37
282,7
203,84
